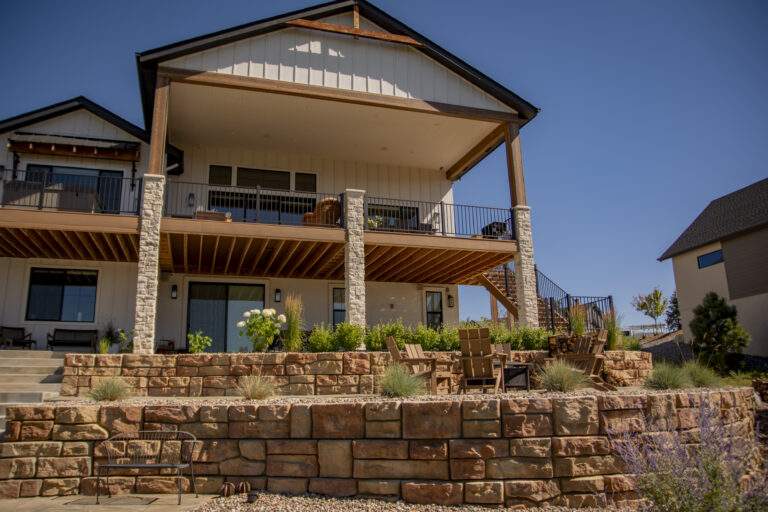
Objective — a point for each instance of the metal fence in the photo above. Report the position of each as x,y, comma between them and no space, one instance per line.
47,190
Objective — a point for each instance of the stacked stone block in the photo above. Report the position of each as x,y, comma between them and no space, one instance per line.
627,367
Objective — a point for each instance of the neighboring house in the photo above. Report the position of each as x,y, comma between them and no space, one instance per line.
725,250
313,152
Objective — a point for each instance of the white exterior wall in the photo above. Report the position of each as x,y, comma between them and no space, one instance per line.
115,295
337,61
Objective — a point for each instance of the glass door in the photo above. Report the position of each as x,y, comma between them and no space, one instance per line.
241,298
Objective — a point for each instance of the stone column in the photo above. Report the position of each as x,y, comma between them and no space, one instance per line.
149,253
525,272
354,256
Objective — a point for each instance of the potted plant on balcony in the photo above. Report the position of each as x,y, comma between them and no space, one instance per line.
261,327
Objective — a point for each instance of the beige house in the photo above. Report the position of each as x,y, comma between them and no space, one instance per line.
725,250
313,153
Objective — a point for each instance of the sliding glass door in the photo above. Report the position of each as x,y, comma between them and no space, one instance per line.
215,309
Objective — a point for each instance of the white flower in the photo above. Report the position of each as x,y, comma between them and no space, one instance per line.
246,314
268,312
281,319
241,324
255,312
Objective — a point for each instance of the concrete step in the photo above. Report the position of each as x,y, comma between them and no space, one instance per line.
21,380
25,397
8,368
27,354
29,361
16,389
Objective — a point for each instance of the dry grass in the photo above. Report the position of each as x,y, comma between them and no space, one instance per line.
255,387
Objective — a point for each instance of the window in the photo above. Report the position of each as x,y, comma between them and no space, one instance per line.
62,295
434,310
276,180
219,175
711,258
305,182
339,306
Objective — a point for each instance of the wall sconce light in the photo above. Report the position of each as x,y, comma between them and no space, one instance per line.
451,301
191,200
278,295
174,291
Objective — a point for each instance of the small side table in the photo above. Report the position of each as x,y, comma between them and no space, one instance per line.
517,375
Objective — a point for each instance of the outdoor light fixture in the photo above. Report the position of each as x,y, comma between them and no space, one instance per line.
174,291
191,200
451,301
278,295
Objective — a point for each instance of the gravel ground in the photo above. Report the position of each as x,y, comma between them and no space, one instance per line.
281,503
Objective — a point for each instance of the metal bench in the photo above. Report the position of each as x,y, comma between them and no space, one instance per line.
73,338
16,336
148,450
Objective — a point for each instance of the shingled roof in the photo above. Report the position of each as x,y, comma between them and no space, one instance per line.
732,214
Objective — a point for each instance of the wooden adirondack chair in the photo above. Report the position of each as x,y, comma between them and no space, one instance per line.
477,361
588,357
419,364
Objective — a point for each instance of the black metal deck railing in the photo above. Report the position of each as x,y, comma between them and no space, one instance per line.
94,192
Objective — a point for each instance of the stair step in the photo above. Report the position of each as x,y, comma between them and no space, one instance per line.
16,389
7,368
22,379
29,361
23,397
34,354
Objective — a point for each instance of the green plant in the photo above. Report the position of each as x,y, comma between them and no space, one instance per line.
375,221
672,318
294,309
716,331
103,345
651,305
612,324
397,381
530,338
376,337
667,376
449,339
428,338
701,376
110,389
261,327
198,342
125,338
320,339
629,343
347,337
560,376
577,320
111,333
254,387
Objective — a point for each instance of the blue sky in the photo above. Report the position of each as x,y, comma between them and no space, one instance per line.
649,109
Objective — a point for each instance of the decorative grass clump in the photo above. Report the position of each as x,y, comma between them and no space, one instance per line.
254,387
667,376
560,376
103,345
110,389
294,309
397,381
701,376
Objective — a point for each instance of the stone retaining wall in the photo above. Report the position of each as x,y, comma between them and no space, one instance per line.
328,373
514,451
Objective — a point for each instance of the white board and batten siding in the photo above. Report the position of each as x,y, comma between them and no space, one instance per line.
340,61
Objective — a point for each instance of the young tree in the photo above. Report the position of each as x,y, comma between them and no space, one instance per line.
673,313
652,305
716,331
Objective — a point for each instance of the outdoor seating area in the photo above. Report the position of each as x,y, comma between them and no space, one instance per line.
11,337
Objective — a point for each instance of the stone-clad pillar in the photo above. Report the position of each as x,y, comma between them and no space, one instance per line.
525,271
354,256
149,253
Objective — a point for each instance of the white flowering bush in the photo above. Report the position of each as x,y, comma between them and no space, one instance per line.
261,326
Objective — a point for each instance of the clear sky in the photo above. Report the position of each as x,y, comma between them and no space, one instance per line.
649,109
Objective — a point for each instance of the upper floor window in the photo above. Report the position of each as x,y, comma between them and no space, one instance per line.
711,258
276,180
61,295
305,182
219,175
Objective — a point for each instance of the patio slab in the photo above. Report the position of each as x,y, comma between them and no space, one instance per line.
121,503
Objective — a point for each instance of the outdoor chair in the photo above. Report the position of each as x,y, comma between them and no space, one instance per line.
16,337
73,338
148,451
420,365
481,366
588,357
327,213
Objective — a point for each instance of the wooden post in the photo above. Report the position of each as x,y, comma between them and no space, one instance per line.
159,126
515,165
494,309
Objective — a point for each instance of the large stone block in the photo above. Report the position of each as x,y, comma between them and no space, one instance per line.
336,487
257,429
301,421
253,449
622,421
526,425
467,469
587,466
48,467
428,450
478,449
87,432
241,466
356,363
295,466
401,469
580,445
74,449
206,430
486,493
534,490
77,414
120,419
338,421
519,467
379,449
481,409
274,412
334,458
383,429
170,414
30,413
35,430
437,493
431,420
22,467
379,487
117,485
582,484
530,447
576,416
30,449
482,429
297,447
217,450
287,485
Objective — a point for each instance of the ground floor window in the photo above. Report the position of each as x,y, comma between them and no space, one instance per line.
434,302
62,295
215,309
339,306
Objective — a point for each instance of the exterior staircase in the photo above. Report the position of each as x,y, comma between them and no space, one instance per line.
28,376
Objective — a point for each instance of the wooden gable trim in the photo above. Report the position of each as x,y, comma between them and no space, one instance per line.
352,31
74,150
476,154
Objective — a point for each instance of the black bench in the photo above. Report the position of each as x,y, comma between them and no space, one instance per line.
73,338
16,337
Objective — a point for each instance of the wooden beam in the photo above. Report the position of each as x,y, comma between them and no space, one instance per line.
287,258
19,238
159,127
354,31
68,221
9,244
252,230
127,253
392,253
200,256
356,16
213,254
494,308
259,255
34,241
108,239
56,235
243,255
334,254
300,260
213,79
275,253
72,150
229,254
477,153
88,246
423,257
186,255
435,261
170,250
99,246
515,172
439,242
320,256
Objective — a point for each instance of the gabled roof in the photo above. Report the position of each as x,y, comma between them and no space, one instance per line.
66,107
727,216
147,61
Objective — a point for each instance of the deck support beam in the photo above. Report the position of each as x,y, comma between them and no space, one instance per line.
354,256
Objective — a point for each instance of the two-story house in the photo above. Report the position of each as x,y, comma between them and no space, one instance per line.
314,153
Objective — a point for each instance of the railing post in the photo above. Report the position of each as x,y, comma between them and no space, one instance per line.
442,216
343,212
506,279
42,192
258,201
568,309
536,271
610,305
552,314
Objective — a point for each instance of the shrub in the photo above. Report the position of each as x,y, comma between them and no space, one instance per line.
261,327
577,320
629,343
667,376
560,376
125,338
530,338
428,338
701,376
110,389
612,324
294,322
397,381
347,337
320,339
716,332
198,342
376,337
254,387
103,345
449,339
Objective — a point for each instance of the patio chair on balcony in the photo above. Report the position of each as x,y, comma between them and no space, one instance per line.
482,367
327,213
420,365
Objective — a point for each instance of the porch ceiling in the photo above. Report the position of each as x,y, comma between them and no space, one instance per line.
226,117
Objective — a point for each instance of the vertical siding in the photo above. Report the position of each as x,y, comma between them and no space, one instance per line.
338,61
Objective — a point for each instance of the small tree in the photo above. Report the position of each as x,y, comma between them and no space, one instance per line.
652,305
673,313
716,331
